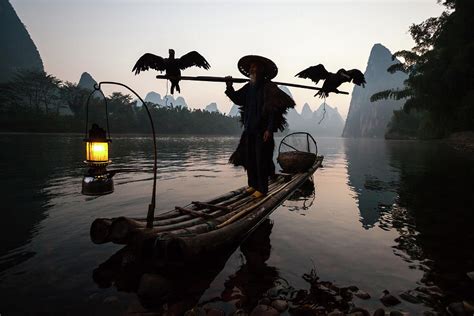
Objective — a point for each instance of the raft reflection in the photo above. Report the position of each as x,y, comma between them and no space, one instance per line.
174,290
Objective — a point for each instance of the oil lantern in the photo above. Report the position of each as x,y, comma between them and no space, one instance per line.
97,180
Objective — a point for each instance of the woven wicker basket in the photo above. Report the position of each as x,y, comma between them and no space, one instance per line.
296,161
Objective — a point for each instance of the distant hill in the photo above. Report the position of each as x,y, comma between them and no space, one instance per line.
307,120
17,51
370,119
234,110
325,121
306,112
179,101
166,101
286,90
86,81
170,101
329,121
212,107
153,97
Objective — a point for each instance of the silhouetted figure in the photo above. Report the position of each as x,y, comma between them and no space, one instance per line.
262,107
171,65
331,80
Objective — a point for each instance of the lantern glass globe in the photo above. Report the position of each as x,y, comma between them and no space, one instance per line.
97,152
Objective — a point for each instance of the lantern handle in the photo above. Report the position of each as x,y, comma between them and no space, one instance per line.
97,88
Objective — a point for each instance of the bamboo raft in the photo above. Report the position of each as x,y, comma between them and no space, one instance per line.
200,227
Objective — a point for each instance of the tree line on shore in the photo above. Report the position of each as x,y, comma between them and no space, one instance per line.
35,101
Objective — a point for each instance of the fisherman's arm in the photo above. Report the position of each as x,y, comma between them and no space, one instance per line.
238,97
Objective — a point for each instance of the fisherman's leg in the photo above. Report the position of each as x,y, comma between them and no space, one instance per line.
261,164
270,147
251,161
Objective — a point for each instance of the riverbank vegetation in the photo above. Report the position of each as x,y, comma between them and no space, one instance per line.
34,101
439,91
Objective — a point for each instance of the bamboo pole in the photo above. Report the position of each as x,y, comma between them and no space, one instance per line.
242,80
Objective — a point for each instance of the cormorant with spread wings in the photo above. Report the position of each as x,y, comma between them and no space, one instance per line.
331,80
171,65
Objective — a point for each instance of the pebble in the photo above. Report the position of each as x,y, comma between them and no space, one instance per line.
410,297
471,275
335,288
320,309
379,312
388,299
215,312
111,299
280,305
457,309
93,296
264,301
430,290
152,285
264,310
336,312
357,311
240,312
196,311
396,313
468,306
362,295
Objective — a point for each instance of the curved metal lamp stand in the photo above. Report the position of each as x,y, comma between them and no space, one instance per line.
151,207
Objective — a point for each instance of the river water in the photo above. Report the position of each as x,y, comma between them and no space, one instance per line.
383,215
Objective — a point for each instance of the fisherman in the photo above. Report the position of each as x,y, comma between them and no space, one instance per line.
262,108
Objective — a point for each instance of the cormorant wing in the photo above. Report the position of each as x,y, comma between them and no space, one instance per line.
193,59
357,77
148,61
315,73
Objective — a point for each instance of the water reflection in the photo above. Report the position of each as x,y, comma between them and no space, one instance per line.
302,199
177,289
373,180
383,215
29,177
425,195
434,218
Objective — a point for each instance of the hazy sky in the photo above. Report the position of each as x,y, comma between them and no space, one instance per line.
105,38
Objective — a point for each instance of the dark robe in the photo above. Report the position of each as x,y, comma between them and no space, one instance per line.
262,108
